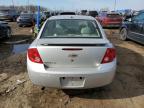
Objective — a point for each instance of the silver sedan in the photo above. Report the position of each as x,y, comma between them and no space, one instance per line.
71,52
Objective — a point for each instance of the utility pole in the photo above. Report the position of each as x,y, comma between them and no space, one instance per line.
38,15
13,3
115,5
28,8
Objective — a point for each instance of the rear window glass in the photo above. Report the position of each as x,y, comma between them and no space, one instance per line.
93,13
71,29
113,15
26,15
103,14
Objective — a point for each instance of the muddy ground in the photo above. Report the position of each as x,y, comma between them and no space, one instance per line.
126,91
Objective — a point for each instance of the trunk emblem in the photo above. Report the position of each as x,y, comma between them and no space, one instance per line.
72,55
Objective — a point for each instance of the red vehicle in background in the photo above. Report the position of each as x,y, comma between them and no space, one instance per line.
110,20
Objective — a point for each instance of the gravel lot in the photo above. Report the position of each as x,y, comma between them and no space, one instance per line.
126,91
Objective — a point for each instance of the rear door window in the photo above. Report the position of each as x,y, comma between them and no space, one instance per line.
139,17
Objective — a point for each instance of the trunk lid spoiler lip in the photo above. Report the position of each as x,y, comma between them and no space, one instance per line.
72,42
85,45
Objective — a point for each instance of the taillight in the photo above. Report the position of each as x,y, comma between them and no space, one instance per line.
34,56
109,55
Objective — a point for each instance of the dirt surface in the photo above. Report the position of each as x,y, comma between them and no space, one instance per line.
126,91
20,32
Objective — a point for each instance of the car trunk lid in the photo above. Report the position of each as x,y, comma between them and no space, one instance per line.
114,17
72,52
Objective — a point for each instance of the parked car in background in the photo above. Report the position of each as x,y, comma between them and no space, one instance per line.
133,28
128,13
83,12
47,14
8,14
71,52
110,20
93,13
67,13
54,13
121,12
136,13
5,30
26,19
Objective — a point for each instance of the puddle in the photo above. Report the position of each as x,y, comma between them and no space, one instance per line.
20,48
16,42
8,50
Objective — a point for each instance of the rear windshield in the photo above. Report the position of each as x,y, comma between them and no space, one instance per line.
103,14
26,15
71,29
93,12
113,15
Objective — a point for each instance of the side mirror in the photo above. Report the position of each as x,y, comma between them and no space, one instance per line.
130,19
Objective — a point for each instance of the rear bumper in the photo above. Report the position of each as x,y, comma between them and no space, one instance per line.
111,24
92,77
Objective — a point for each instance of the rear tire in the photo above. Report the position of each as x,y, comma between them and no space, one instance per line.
123,34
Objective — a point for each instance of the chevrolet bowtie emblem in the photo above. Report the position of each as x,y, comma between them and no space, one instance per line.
72,55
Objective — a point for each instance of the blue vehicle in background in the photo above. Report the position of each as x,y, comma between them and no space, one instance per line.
133,28
26,19
5,30
8,14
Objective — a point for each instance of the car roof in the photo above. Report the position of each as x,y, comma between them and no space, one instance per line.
72,17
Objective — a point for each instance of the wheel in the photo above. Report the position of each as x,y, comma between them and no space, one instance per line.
123,34
8,33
